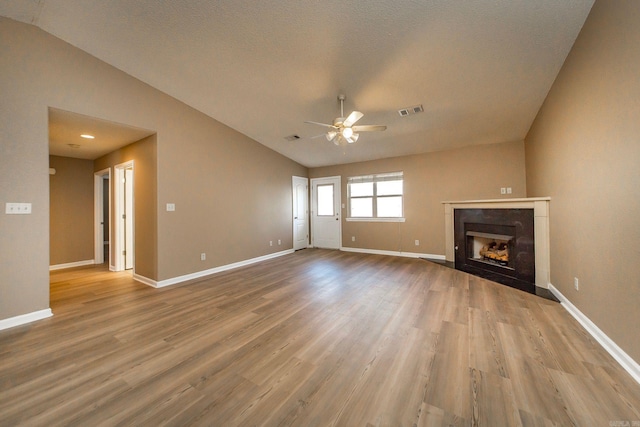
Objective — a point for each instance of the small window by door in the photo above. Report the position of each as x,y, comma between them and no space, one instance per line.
326,205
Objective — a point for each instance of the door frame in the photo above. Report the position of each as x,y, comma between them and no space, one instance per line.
118,230
98,216
337,194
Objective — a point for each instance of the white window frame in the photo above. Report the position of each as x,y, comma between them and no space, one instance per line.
393,176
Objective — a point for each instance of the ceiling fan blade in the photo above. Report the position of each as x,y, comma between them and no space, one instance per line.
353,117
321,124
368,128
318,136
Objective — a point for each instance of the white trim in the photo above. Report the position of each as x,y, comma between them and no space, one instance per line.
394,253
629,365
72,264
209,272
375,220
145,280
25,318
515,200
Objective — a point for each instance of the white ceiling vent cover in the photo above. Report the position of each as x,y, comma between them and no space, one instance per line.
411,110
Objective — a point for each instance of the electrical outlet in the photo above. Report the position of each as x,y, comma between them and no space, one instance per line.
203,256
353,238
417,242
171,207
279,242
270,242
18,208
508,190
576,283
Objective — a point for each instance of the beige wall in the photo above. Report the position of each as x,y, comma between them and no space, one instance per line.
583,150
476,172
232,194
71,210
143,153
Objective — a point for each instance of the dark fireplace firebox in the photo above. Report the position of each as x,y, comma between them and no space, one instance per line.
497,244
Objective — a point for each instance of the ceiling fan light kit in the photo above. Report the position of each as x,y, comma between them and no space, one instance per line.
343,129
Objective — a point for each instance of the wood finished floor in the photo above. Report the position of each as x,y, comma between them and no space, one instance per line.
315,338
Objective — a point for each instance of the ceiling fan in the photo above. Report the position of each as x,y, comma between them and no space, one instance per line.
343,129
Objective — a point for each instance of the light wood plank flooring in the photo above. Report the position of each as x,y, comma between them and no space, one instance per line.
315,338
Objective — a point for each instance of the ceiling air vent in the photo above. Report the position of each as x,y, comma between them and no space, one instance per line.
292,137
411,110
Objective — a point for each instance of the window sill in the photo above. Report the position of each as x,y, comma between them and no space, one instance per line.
375,219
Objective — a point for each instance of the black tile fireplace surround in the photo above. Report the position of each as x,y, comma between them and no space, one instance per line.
512,230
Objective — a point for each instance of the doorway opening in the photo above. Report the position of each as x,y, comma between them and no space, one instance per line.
102,216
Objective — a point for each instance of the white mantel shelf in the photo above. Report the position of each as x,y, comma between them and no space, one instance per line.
503,201
540,206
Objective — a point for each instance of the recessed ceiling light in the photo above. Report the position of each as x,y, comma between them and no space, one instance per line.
87,136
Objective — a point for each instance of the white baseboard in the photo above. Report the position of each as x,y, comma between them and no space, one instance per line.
145,280
71,264
25,318
394,253
209,272
629,365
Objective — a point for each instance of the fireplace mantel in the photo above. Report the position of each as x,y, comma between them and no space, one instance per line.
540,206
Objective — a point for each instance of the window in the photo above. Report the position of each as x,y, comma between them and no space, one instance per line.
325,200
376,197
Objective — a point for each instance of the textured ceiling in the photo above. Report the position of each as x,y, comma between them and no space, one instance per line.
480,68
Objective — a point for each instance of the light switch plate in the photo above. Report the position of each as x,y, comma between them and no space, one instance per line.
171,207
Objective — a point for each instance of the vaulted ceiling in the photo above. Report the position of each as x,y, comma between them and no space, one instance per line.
481,69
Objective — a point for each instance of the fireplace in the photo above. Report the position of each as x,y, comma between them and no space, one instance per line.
497,244
520,230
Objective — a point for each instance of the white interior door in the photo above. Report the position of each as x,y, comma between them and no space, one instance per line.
325,213
300,212
128,220
124,207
